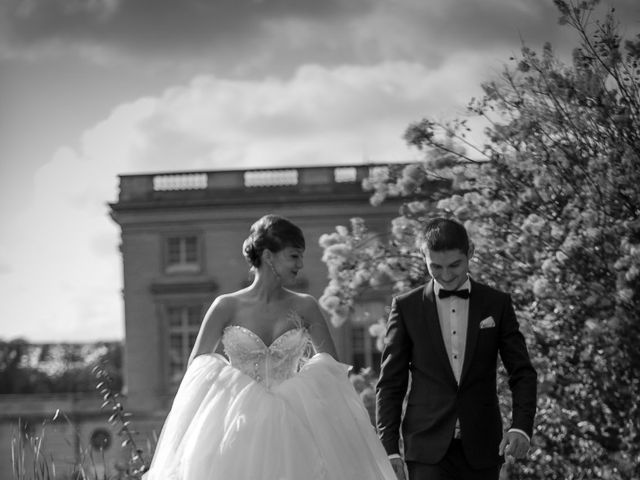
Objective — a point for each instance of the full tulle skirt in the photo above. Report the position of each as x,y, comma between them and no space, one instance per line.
224,425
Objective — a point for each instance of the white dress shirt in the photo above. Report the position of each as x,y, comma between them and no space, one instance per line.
453,313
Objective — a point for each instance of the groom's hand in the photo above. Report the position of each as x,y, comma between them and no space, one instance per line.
398,467
514,444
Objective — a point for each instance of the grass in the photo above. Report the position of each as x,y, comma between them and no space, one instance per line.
31,461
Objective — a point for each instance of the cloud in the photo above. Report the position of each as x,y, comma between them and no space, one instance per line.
279,82
320,115
331,115
243,37
5,266
162,27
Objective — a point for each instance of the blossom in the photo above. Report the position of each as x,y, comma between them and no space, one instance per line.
336,252
402,227
417,207
498,207
378,330
378,278
462,212
328,239
570,243
625,295
552,207
540,287
533,224
376,199
342,230
360,278
411,178
548,266
329,302
451,203
339,315
592,232
557,231
632,273
358,226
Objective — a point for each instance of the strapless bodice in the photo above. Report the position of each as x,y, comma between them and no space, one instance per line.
266,364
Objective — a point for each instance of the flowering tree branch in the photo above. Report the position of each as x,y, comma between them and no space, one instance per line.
552,203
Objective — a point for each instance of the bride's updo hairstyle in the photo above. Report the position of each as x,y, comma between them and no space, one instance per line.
271,232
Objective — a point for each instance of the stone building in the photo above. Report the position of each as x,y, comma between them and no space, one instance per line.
182,236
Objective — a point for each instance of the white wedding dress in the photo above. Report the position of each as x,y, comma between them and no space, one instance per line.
269,414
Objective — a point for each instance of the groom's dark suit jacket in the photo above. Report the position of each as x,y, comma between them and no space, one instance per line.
414,344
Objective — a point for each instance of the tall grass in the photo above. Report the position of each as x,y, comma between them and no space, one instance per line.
30,460
137,462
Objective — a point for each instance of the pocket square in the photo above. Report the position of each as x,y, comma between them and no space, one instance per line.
488,322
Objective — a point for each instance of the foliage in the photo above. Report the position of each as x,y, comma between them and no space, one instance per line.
137,463
55,368
32,461
552,203
364,382
29,461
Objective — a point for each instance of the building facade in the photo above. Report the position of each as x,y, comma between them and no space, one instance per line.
181,245
181,239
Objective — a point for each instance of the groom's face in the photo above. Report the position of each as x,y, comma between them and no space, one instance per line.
448,267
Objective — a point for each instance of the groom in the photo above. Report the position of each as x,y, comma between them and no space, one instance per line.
446,337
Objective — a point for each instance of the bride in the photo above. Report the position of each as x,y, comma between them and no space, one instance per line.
281,407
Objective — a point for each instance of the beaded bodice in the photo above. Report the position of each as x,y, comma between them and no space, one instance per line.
269,365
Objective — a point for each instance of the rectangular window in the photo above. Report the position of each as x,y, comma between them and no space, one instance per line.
182,254
183,323
363,347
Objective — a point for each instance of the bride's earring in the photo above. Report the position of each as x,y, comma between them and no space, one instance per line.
273,269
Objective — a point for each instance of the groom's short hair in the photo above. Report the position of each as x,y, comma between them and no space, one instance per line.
442,234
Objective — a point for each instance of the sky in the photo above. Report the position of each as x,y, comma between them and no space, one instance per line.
91,89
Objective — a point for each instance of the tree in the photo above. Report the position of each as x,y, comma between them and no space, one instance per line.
552,202
56,368
11,354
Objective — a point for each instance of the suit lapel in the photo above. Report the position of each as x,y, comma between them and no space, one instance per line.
476,303
432,322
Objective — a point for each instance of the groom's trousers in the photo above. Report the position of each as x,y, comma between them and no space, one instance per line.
453,466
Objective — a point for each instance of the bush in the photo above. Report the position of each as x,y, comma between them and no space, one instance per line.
551,202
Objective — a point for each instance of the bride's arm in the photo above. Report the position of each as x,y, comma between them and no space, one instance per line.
212,327
318,328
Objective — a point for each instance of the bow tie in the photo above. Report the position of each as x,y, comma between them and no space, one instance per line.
456,293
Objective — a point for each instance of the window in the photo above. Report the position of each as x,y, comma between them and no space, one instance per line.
182,254
100,439
363,348
183,324
364,352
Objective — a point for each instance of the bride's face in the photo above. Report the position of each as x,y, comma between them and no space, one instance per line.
288,263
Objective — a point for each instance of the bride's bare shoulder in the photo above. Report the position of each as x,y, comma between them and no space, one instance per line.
223,307
308,308
306,305
303,299
234,298
225,300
